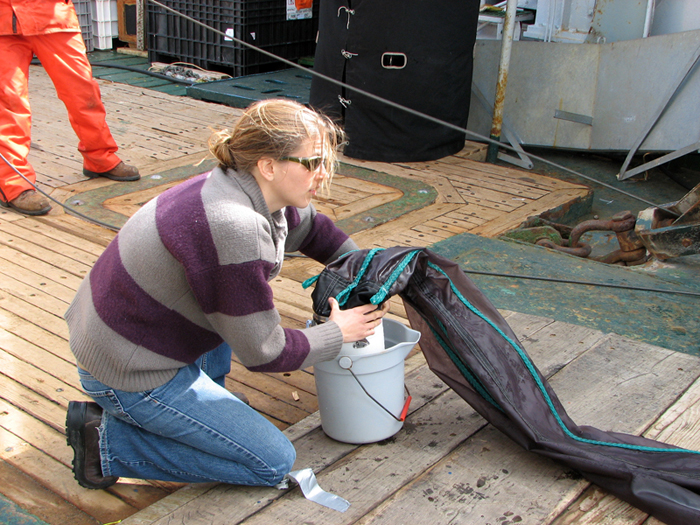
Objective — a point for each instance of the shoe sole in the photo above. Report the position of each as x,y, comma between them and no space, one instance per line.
94,175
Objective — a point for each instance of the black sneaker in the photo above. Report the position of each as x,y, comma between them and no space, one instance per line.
82,423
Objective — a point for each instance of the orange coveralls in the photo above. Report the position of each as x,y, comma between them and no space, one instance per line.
50,30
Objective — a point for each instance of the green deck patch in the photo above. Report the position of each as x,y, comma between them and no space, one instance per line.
666,320
416,195
12,514
106,66
91,202
240,92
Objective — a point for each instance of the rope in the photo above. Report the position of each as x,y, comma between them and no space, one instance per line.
584,283
380,296
350,12
343,296
64,206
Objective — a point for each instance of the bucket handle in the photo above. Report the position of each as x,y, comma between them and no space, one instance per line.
404,411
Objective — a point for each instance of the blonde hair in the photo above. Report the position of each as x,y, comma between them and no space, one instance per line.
275,128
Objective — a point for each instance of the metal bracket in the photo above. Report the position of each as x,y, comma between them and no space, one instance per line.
665,101
658,162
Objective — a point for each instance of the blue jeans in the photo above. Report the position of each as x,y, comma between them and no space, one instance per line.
191,429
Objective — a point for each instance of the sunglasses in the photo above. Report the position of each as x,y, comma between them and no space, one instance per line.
310,163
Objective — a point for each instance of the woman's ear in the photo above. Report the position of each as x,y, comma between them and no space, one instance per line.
266,167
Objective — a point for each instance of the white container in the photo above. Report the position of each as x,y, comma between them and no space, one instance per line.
372,345
348,413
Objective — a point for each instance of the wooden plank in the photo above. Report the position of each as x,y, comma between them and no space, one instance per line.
33,281
45,229
37,249
475,213
54,170
53,443
36,335
280,415
274,387
488,198
364,205
64,370
41,382
521,176
515,218
422,236
130,203
39,501
59,479
42,268
358,187
408,220
509,186
446,191
33,314
680,426
449,229
450,221
301,380
7,215
80,228
436,232
291,311
34,296
53,414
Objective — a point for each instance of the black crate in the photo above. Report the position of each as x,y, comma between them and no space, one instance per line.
261,23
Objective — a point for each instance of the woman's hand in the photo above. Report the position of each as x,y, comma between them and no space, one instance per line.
359,322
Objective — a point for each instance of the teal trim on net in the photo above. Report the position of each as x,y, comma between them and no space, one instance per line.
380,296
531,368
312,280
463,368
343,296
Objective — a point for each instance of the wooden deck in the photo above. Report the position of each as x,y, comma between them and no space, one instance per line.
446,465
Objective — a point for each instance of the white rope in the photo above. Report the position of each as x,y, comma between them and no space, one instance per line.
350,12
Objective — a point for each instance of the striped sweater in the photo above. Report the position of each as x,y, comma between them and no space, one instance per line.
191,270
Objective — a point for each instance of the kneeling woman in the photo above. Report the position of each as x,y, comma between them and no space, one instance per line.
185,283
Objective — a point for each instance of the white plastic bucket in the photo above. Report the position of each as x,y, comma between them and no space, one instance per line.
348,413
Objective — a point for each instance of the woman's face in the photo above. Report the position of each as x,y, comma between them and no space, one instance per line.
294,183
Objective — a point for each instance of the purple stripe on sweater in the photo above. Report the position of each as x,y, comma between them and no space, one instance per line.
128,310
183,226
323,240
292,215
296,348
234,289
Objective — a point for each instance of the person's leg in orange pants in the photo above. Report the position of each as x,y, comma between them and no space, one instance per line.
63,57
15,116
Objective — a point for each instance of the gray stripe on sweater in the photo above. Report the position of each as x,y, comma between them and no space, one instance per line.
234,225
154,269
